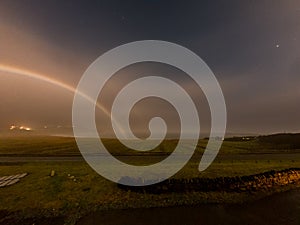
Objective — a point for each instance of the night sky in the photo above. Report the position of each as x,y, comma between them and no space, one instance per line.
253,48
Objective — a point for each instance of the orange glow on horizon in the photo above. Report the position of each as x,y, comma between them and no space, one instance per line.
45,78
14,127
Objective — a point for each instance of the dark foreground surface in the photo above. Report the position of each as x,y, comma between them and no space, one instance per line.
278,209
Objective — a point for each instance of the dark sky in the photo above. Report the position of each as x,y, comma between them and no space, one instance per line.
253,48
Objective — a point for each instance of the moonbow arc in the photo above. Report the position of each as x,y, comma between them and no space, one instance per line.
100,71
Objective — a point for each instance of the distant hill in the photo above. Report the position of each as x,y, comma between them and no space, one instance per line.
280,141
286,140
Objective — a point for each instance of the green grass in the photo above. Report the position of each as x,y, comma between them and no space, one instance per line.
51,145
40,194
60,193
37,145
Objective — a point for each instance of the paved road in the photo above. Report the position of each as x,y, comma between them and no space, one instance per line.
40,158
154,158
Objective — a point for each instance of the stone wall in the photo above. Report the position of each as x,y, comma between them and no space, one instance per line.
250,183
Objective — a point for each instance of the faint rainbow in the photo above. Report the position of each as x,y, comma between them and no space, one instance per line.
45,78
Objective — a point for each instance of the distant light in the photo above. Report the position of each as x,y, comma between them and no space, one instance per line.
13,127
277,46
24,128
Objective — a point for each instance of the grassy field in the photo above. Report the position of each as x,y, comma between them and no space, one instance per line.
76,189
52,145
